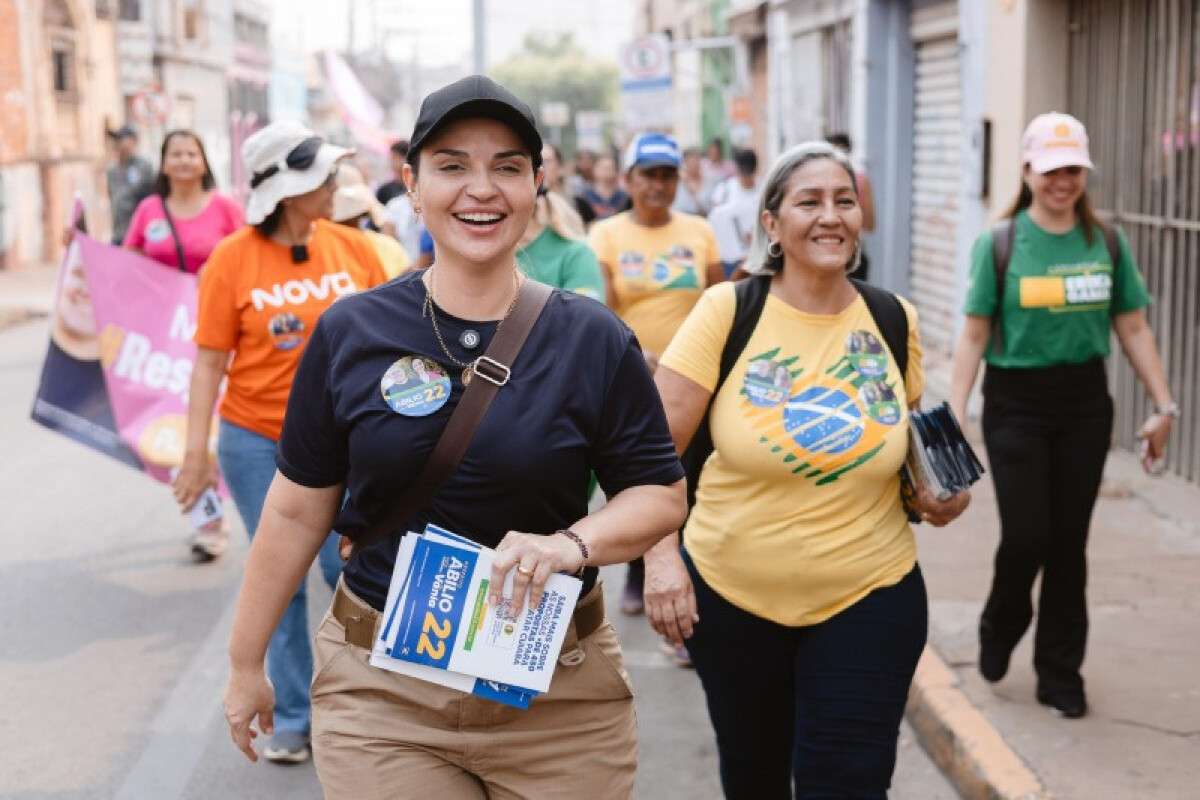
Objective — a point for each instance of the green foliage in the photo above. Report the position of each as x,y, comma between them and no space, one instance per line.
551,67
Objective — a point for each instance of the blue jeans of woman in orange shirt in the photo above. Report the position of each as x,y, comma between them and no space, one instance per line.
248,466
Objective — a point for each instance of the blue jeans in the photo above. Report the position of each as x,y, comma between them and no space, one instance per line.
248,465
816,708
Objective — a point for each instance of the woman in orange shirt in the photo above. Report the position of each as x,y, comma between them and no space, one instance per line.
261,293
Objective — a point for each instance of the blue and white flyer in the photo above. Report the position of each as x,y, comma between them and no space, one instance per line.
439,626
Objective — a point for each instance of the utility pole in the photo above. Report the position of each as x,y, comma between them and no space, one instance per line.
480,59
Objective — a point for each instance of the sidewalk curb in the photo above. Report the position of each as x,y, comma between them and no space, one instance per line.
961,741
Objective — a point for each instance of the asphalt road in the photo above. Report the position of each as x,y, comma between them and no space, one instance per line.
112,642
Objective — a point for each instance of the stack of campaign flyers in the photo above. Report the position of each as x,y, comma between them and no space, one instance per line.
939,456
439,626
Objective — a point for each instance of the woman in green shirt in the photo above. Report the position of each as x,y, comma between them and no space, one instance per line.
1043,322
553,252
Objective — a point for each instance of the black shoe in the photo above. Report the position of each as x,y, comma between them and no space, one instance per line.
1070,705
993,658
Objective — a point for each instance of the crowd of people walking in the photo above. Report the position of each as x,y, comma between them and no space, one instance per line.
716,403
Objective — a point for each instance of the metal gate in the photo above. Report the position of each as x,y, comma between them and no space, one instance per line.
1135,84
936,168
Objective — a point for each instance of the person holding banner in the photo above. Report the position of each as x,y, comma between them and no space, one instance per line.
185,218
578,397
178,225
261,293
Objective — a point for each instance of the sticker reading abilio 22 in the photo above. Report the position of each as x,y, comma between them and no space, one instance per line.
415,386
439,594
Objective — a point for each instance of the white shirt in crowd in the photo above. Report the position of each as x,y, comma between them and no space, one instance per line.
732,218
408,225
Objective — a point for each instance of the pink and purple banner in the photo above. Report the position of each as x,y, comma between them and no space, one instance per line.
120,362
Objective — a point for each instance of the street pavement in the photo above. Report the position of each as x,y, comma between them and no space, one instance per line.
112,642
1141,738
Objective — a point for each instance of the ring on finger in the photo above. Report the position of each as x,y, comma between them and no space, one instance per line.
524,571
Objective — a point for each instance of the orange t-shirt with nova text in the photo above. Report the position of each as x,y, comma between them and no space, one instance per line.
259,304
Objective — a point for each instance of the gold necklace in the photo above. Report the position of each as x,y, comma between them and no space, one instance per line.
467,367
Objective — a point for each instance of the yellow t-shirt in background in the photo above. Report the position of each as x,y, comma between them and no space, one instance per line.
798,513
657,273
391,253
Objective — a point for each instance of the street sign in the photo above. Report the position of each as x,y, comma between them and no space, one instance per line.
589,130
646,83
150,106
555,114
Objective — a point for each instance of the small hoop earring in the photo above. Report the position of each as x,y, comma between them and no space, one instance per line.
775,250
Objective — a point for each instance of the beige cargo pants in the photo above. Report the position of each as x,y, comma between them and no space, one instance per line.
380,735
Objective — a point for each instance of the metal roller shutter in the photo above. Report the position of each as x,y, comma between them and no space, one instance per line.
935,203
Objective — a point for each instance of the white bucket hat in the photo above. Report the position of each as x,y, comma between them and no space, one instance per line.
353,197
285,159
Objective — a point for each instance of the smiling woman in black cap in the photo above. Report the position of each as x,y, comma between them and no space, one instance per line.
572,396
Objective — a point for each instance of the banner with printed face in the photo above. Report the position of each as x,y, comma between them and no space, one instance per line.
145,314
138,319
72,397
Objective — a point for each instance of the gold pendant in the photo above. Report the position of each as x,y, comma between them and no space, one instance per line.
466,376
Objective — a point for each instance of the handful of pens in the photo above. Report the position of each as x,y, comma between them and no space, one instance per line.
939,456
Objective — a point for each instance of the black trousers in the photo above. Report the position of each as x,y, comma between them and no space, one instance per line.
816,708
1047,433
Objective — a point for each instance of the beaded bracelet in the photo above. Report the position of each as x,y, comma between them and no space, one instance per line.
583,548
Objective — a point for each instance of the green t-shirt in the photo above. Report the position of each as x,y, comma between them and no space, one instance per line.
563,264
1060,295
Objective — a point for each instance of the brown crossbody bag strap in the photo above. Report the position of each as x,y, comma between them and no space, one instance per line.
491,371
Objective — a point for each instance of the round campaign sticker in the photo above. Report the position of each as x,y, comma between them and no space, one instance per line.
865,353
415,386
767,383
880,401
287,330
158,230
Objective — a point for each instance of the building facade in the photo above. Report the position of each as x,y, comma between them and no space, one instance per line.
176,67
52,129
936,94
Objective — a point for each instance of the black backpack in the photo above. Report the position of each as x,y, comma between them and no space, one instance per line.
751,296
1004,233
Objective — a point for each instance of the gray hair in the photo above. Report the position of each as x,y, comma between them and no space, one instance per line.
758,260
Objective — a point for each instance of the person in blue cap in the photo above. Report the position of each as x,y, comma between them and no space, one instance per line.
657,261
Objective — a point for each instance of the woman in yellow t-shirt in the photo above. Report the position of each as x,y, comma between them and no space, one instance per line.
797,591
656,262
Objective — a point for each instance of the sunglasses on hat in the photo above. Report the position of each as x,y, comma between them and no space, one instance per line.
301,158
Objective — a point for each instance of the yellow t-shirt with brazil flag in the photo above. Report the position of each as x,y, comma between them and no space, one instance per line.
798,513
657,273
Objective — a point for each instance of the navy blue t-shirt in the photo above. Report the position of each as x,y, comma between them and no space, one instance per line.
580,399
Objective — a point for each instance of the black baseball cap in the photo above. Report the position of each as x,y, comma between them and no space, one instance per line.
475,96
125,131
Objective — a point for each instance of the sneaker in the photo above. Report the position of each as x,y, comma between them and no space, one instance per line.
288,747
1068,705
679,655
209,544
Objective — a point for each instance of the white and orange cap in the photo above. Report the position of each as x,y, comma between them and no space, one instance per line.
1055,140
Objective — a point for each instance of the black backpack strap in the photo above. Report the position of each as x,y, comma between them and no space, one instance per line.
1113,242
1004,234
892,321
889,315
751,296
